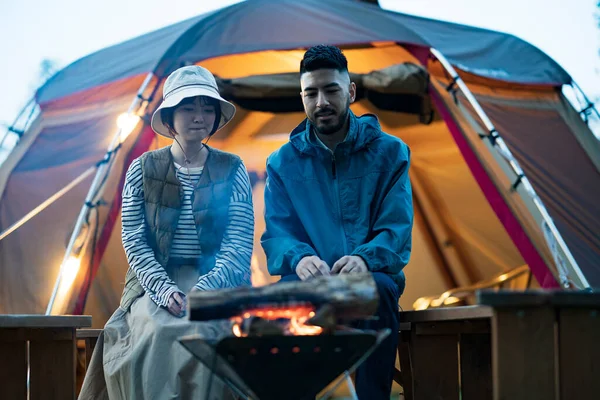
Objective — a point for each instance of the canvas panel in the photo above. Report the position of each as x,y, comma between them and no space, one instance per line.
67,146
515,208
559,168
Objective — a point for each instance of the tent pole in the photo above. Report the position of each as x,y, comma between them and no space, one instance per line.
103,168
11,128
504,151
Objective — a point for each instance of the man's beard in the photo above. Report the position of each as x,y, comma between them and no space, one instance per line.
330,129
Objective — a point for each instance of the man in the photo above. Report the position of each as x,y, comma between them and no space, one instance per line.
338,201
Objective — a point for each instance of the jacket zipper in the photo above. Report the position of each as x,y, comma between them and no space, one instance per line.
333,171
337,202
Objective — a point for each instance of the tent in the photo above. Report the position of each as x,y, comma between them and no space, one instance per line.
504,169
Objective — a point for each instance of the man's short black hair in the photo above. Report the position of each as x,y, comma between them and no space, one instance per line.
323,57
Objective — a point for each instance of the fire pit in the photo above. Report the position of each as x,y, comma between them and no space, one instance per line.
288,341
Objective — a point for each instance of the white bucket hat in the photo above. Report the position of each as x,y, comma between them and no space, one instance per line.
185,82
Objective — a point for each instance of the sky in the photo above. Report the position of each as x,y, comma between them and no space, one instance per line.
66,30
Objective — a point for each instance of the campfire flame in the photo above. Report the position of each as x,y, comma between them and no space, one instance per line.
292,318
298,327
237,330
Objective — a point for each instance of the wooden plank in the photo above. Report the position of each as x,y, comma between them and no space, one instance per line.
435,366
37,334
446,314
45,321
538,297
523,353
397,376
404,326
576,299
52,369
453,327
13,370
512,298
406,369
90,338
90,345
88,333
476,366
579,332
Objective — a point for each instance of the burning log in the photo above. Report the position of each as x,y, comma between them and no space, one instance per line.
321,302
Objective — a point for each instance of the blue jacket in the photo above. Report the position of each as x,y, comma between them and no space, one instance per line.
354,201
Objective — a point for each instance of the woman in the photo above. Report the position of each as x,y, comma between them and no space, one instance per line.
187,225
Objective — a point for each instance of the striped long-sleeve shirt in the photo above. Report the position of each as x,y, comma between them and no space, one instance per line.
232,266
185,241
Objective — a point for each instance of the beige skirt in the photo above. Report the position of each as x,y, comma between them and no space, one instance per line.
139,356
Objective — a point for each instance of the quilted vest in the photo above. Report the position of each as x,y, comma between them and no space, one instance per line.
163,196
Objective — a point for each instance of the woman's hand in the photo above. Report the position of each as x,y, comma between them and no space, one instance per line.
177,304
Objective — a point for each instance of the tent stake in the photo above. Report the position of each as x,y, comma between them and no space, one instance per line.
103,168
497,141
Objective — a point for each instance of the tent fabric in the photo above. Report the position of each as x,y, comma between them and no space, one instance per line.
520,215
401,87
558,154
566,180
65,147
130,58
491,175
256,25
405,78
15,156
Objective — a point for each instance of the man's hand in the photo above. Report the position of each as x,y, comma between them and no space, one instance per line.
310,267
349,265
177,304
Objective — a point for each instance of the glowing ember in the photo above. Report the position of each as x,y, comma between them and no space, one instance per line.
279,312
237,330
298,328
291,319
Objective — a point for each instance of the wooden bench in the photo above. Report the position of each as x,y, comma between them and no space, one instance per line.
90,338
44,345
86,343
446,353
513,345
545,344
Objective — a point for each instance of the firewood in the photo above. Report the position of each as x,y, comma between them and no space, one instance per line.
349,297
324,317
